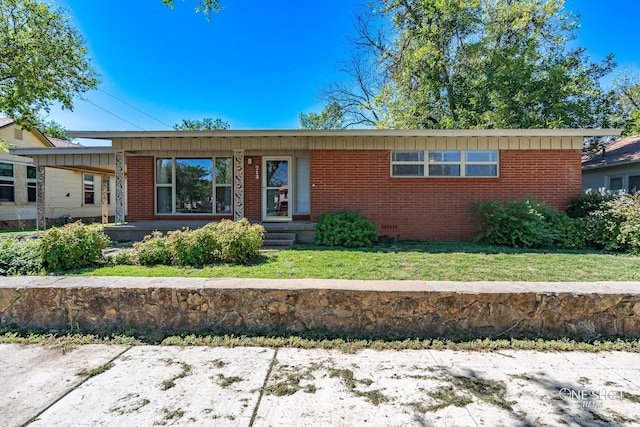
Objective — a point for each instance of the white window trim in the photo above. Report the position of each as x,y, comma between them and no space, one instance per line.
33,182
10,182
84,203
462,163
172,185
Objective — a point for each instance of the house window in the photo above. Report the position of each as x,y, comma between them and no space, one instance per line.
194,185
89,189
32,183
7,183
444,163
615,184
634,184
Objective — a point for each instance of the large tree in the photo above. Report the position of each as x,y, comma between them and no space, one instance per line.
626,86
331,117
481,64
204,124
43,59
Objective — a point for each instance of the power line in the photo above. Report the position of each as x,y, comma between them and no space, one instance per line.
113,114
135,108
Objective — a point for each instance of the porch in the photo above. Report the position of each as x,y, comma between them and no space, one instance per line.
277,234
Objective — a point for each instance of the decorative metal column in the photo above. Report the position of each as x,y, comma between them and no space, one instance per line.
120,187
104,193
238,184
41,203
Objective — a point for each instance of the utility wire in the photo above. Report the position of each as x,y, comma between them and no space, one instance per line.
135,108
113,114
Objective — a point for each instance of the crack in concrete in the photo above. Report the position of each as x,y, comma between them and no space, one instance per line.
87,378
264,385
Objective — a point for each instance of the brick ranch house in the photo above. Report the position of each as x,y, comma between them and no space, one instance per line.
413,184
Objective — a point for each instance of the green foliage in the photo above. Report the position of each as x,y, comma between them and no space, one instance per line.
224,241
331,117
73,246
480,64
527,224
19,257
582,206
44,60
345,228
153,250
239,241
206,7
52,129
204,124
616,225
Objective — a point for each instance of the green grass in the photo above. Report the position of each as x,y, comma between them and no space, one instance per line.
410,261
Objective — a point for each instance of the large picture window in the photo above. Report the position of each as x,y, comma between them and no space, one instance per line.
444,163
7,183
193,185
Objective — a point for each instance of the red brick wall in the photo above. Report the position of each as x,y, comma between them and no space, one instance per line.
436,208
253,188
140,188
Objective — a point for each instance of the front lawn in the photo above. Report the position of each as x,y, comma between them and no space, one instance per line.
411,261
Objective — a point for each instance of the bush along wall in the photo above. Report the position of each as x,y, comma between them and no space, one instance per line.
345,228
592,221
220,242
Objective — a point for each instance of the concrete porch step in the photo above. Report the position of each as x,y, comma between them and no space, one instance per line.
274,240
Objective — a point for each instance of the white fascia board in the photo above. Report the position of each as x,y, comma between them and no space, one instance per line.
61,150
110,135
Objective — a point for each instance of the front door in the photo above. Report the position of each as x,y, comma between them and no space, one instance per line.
276,189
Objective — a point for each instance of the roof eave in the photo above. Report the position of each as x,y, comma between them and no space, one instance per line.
109,135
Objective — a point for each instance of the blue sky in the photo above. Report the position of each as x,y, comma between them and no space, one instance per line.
257,64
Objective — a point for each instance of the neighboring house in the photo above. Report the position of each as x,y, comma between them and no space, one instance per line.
614,168
71,193
413,184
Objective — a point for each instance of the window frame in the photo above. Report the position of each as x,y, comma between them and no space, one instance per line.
462,163
10,182
32,183
85,191
173,183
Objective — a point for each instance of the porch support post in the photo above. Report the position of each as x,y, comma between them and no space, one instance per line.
238,184
120,187
41,203
104,193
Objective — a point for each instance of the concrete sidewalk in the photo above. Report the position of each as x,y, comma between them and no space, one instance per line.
254,386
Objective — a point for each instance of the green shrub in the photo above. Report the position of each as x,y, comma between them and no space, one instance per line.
123,257
616,225
19,257
152,250
72,246
528,224
238,241
224,241
345,228
582,206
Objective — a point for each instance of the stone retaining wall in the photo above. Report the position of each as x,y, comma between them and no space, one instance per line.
421,309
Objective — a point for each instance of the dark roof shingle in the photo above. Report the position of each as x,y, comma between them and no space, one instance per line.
626,150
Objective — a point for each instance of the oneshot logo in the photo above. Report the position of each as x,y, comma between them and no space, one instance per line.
590,398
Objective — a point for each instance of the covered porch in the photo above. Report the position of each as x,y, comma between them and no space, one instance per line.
277,234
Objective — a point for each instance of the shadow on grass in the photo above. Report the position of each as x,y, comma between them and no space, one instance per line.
446,247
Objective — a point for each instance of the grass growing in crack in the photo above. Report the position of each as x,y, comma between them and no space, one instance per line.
446,396
219,363
225,382
95,371
186,370
635,398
